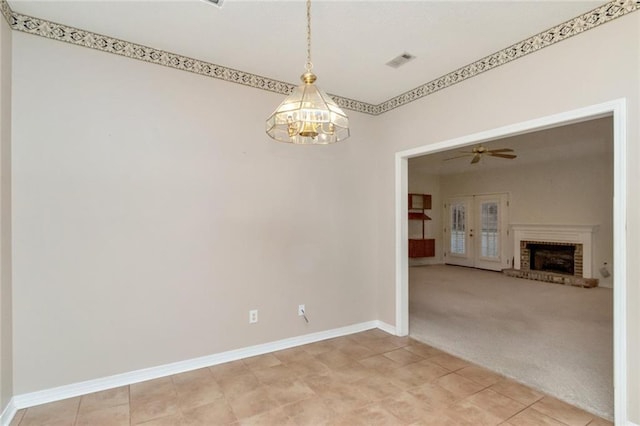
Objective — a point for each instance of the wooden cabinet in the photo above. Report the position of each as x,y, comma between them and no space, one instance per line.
420,202
420,247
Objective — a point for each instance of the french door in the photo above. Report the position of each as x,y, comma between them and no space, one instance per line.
476,231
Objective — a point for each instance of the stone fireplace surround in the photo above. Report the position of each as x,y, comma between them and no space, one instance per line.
578,236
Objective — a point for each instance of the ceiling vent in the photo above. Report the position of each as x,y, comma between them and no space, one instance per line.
215,2
398,61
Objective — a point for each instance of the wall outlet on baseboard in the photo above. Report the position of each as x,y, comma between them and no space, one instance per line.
253,316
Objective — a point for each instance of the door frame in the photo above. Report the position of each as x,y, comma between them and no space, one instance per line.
616,108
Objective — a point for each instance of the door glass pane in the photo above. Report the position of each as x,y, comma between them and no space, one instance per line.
458,231
489,232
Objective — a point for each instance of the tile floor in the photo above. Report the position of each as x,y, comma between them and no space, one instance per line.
368,378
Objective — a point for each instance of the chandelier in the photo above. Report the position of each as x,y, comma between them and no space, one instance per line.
308,116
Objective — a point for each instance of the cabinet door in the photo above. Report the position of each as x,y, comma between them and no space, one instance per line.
429,247
422,248
416,248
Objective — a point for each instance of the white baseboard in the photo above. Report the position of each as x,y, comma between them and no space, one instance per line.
391,329
8,413
82,388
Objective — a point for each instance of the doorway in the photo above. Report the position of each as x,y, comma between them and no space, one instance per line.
475,234
616,109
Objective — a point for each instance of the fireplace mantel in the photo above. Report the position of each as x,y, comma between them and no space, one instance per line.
575,234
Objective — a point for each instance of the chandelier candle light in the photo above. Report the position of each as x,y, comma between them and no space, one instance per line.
308,116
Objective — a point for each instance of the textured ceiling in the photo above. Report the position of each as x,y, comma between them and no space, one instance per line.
579,140
352,40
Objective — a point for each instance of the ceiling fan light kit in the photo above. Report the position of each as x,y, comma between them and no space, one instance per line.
308,116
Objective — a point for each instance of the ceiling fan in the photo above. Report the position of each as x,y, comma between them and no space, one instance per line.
479,151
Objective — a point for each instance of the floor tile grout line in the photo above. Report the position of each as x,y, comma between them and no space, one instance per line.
548,415
505,379
525,408
75,419
555,418
367,399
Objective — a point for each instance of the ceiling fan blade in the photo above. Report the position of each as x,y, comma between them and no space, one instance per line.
509,156
476,158
501,150
458,156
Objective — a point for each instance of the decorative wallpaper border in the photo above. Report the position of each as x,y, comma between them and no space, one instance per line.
587,21
6,10
67,34
592,19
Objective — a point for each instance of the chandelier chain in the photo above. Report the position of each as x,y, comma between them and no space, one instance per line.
309,65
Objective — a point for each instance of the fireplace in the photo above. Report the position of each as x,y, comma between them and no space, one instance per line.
561,258
554,253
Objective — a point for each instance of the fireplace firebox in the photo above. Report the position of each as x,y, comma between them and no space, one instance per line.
552,258
546,256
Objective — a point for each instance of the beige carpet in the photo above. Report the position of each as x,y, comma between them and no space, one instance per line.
555,338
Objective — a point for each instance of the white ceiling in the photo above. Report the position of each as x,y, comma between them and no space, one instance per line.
578,140
352,40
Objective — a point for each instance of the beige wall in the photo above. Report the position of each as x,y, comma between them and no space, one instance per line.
151,213
6,329
594,67
572,191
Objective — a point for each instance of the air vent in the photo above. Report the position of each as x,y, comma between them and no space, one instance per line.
215,2
398,61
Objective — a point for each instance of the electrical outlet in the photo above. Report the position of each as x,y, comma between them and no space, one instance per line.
301,310
253,316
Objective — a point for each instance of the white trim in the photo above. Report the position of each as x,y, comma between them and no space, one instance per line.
8,413
630,423
388,328
402,246
82,388
618,109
